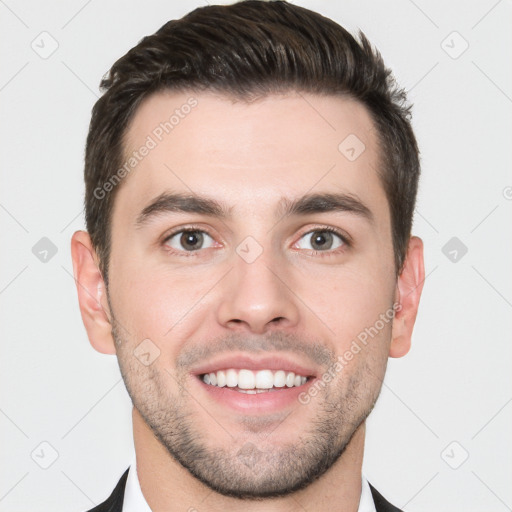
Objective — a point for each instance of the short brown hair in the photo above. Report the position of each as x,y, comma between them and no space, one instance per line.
247,50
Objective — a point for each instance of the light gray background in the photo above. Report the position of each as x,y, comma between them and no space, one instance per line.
454,385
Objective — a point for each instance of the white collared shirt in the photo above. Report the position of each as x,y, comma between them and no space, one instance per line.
134,500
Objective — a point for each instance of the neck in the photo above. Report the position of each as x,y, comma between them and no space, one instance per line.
169,487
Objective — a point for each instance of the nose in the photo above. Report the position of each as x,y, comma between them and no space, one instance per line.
258,297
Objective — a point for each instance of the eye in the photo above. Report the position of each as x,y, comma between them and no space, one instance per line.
321,240
189,240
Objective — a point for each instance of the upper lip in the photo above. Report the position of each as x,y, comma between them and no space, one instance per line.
267,362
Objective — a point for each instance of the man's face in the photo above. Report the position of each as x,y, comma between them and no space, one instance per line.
278,271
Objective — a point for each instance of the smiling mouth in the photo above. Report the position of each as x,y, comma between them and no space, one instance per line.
253,382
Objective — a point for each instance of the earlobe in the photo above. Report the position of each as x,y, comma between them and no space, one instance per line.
408,292
91,293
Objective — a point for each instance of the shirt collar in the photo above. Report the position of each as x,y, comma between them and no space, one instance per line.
134,500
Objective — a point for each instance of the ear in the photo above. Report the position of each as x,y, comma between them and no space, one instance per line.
91,293
408,292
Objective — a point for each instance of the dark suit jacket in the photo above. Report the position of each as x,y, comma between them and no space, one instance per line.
114,503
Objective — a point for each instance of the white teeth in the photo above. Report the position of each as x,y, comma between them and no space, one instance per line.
251,382
279,379
221,379
231,378
246,379
264,379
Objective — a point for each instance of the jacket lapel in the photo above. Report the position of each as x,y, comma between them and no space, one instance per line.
114,502
381,504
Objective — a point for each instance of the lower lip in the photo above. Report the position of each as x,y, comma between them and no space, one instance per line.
259,403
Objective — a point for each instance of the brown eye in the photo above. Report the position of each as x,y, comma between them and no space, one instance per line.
191,240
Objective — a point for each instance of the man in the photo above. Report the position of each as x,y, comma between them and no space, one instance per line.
251,176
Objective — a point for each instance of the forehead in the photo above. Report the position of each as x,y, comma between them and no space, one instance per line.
249,155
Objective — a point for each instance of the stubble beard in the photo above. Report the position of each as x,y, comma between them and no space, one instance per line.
251,468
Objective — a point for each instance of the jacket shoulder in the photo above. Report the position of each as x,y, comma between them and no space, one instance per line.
381,504
114,503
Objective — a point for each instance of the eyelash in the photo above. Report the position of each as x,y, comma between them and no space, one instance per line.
347,244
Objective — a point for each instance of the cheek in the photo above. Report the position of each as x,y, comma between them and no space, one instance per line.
162,305
350,300
357,308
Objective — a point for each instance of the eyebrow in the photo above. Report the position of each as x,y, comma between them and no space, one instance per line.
310,203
